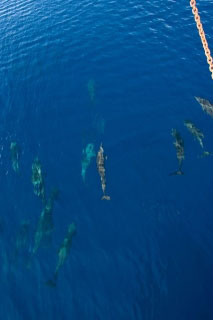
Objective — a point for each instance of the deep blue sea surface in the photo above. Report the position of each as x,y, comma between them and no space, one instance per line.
122,73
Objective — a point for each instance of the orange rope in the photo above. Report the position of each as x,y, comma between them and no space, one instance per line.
202,35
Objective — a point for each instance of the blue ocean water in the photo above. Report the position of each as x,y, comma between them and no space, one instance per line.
121,73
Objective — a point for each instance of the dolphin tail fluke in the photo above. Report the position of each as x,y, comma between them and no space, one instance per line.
178,172
105,197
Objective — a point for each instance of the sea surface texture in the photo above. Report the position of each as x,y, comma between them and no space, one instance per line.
75,74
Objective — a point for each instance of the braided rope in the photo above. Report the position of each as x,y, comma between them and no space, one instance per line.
202,35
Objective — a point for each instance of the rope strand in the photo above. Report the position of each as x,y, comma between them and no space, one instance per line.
202,35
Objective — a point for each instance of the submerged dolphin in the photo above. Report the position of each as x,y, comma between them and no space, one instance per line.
63,253
38,180
198,134
88,154
179,145
206,105
91,89
45,224
14,149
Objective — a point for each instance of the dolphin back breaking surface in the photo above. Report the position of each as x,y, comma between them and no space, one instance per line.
101,170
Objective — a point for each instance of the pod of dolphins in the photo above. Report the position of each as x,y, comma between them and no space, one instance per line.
196,133
45,224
